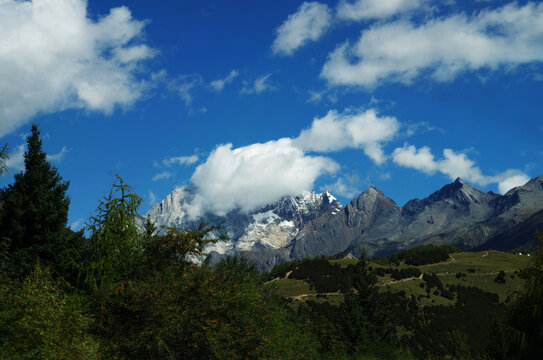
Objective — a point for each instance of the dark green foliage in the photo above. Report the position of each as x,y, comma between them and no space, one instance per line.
39,320
177,247
461,330
115,247
202,313
405,273
423,255
500,278
526,313
35,213
366,318
432,280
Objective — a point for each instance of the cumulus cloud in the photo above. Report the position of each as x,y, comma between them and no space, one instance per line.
455,165
374,9
54,57
346,186
260,85
218,85
351,129
512,181
401,51
254,175
308,23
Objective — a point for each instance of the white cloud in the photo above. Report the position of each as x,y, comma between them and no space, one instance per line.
260,85
455,165
346,186
185,85
375,9
512,181
16,159
162,175
152,198
443,48
58,157
352,129
54,57
308,23
77,224
218,85
254,175
180,160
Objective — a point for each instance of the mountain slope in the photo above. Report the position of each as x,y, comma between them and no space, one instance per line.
311,224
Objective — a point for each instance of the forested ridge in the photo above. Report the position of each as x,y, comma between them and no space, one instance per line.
117,291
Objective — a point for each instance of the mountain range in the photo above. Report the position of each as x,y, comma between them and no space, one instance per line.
311,224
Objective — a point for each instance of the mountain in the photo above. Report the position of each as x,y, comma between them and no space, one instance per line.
260,234
520,237
312,224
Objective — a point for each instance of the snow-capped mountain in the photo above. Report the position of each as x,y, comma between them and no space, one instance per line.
273,226
311,224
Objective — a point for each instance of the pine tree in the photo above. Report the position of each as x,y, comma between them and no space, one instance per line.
115,242
35,211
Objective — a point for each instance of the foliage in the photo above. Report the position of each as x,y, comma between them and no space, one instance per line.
206,313
179,247
526,313
420,255
500,278
35,212
38,320
365,317
115,245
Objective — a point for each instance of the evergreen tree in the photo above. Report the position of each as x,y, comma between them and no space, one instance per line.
35,211
366,319
526,315
115,243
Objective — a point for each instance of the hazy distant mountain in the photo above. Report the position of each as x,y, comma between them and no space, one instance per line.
313,224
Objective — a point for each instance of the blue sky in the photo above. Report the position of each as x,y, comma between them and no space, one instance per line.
253,100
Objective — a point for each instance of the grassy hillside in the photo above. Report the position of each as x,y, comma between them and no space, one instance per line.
467,269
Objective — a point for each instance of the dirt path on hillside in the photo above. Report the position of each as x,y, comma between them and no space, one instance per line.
301,296
401,280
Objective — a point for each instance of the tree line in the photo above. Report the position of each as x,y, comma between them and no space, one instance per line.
119,290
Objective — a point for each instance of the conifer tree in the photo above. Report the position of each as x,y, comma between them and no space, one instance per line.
115,242
35,211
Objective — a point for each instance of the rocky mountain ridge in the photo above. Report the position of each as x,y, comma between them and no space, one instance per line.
312,224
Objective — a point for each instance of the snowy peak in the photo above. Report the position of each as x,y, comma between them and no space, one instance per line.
172,211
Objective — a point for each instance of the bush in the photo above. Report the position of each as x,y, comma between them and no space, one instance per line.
38,320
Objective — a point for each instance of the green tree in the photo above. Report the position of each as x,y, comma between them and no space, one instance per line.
35,211
39,320
179,248
526,316
115,246
366,319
